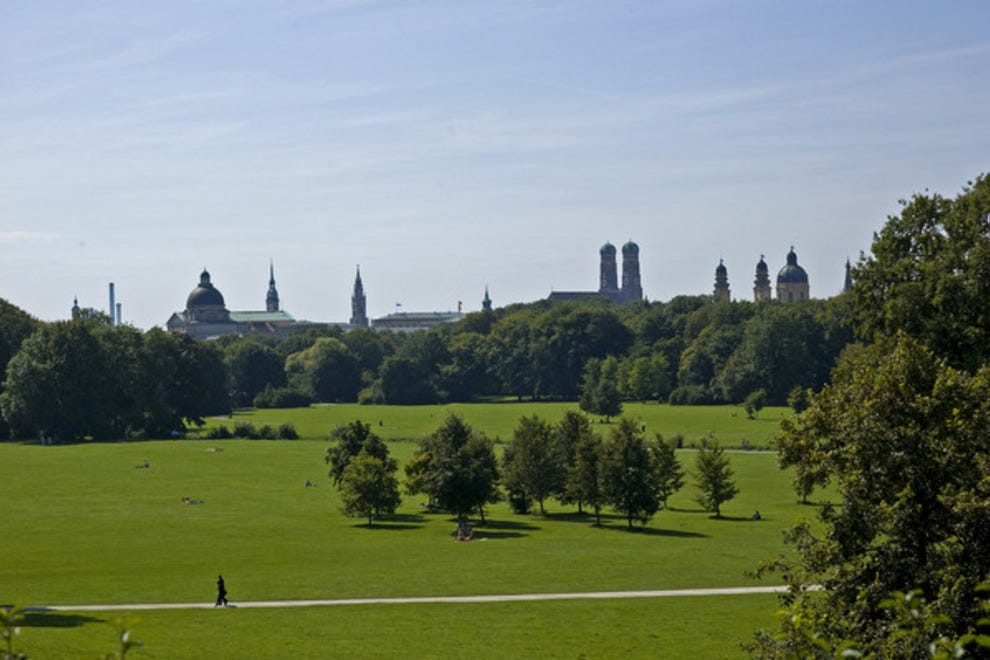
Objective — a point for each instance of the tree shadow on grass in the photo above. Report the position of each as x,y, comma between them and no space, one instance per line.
387,526
483,534
653,531
42,618
505,524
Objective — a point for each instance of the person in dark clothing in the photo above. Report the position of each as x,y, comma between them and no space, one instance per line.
221,592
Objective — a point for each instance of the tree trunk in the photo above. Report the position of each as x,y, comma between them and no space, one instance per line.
543,511
579,508
481,512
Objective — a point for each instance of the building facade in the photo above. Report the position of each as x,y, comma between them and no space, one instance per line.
608,287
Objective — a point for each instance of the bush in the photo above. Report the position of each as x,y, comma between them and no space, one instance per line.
282,397
798,399
754,403
677,441
691,395
245,430
267,432
287,432
219,433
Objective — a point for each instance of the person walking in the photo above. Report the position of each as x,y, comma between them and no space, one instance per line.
221,592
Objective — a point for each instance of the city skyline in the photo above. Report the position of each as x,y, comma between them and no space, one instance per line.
445,146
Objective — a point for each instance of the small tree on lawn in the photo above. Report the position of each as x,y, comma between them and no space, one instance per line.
670,474
600,388
584,478
573,430
351,439
368,488
714,478
531,465
754,403
629,473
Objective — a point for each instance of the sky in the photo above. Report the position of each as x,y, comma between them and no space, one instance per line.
449,145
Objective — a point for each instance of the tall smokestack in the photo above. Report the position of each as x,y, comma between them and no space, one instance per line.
113,306
118,314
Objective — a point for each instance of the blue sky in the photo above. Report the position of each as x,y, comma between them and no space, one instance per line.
446,145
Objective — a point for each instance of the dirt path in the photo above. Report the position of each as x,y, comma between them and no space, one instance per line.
495,598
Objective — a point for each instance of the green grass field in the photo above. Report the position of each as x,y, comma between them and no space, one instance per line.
729,424
83,525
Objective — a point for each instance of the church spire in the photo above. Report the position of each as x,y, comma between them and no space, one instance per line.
271,300
486,302
847,287
359,315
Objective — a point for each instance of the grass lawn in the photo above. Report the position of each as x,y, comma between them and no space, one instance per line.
698,627
84,525
729,424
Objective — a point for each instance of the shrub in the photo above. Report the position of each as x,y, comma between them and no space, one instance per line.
519,502
282,397
691,395
219,433
267,432
798,399
287,432
245,430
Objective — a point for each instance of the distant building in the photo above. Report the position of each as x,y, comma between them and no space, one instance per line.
359,314
206,315
608,277
486,302
721,292
761,285
847,286
792,280
413,321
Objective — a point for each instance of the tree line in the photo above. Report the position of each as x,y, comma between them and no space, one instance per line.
901,434
457,470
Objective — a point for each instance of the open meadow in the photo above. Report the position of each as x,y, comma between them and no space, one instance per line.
727,423
88,524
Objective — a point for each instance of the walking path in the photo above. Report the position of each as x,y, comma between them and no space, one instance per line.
495,598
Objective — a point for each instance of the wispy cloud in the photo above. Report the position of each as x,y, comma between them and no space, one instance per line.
20,237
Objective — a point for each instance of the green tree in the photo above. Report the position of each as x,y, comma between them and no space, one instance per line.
670,474
569,433
584,478
629,473
928,276
754,402
714,477
600,388
902,437
457,469
327,371
253,366
405,382
353,438
530,463
368,487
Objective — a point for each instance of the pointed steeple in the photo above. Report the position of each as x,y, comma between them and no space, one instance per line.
847,287
75,307
271,300
486,302
359,315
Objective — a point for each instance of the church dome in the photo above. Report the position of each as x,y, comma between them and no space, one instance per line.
792,273
630,249
761,266
204,294
608,248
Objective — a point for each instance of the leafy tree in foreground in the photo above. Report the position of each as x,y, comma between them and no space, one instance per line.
530,464
714,478
903,438
456,467
629,473
929,276
368,487
670,474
